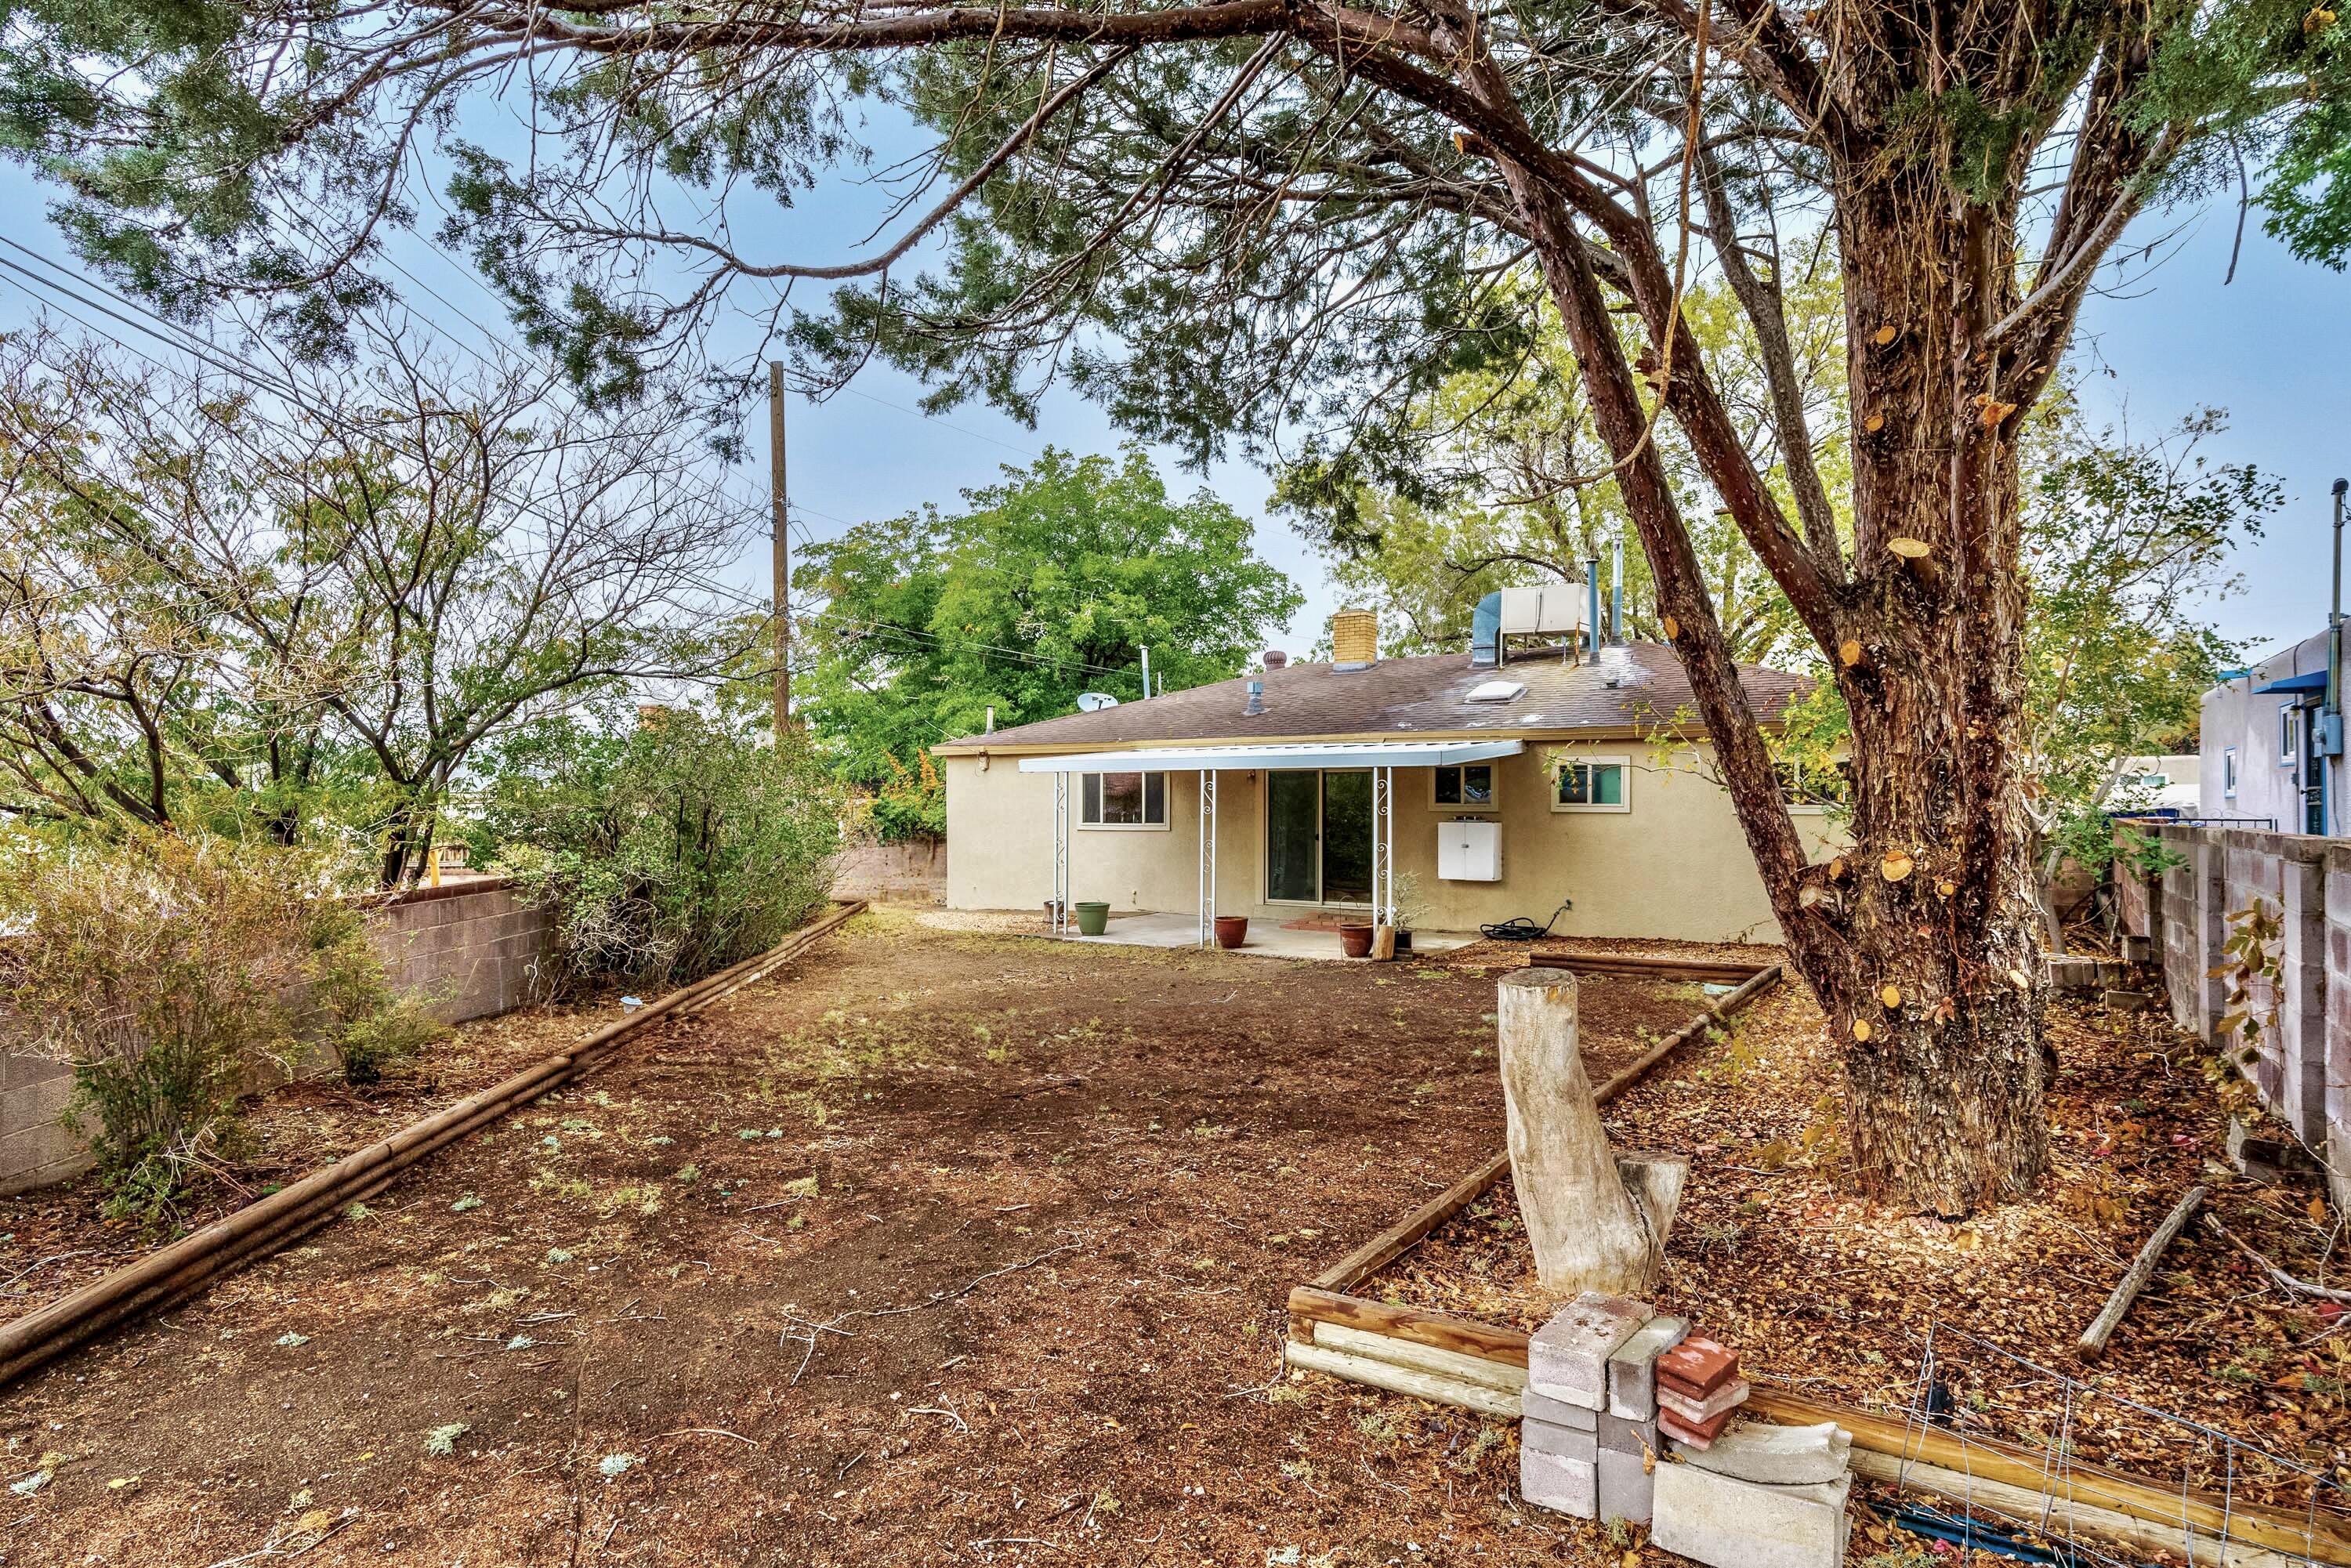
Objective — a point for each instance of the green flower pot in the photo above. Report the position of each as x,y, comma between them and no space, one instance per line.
1093,919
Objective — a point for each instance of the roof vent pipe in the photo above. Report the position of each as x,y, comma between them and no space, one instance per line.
1486,633
1617,598
1275,659
1591,621
1256,699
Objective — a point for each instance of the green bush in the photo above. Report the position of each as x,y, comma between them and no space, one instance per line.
667,851
911,804
173,971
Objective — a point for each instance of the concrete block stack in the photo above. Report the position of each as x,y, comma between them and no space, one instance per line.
1629,1418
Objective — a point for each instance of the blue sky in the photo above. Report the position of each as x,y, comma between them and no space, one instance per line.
2273,347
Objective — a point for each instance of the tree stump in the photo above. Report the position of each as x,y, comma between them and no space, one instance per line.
1597,1219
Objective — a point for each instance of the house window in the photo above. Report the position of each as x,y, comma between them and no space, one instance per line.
1813,786
2287,725
1123,800
1469,787
1592,784
2228,772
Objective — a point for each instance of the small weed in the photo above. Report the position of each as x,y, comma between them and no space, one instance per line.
1488,1438
802,1187
442,1441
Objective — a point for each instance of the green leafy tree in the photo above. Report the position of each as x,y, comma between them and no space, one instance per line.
668,849
1524,495
1052,583
2127,542
1279,223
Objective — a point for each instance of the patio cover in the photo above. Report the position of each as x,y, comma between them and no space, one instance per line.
1279,755
1382,757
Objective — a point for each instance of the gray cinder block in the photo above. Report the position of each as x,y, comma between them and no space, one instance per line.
1632,1366
1729,1524
1558,1411
1558,1468
1567,1358
1627,1490
1775,1455
1628,1436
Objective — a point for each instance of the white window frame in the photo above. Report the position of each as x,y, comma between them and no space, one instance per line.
2228,773
1166,807
1493,801
2289,722
1798,807
1551,781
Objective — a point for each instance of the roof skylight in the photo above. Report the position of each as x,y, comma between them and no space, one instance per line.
1496,691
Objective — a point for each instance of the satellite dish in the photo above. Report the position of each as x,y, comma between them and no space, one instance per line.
1091,702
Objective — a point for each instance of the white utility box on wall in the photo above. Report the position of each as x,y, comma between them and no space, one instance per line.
1469,849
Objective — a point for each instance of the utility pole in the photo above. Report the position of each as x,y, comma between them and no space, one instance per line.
783,605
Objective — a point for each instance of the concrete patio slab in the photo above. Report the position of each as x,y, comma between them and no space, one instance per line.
1267,939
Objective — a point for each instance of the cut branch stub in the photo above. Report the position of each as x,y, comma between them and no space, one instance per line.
1597,1220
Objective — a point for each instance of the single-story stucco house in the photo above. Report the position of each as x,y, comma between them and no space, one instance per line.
1457,788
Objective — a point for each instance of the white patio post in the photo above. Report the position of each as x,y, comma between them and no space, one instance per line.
1212,853
1060,854
1200,920
1390,880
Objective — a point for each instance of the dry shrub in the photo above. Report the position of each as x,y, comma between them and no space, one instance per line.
176,971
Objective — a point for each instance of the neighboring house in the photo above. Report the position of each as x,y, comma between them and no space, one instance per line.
2267,759
2167,783
1502,788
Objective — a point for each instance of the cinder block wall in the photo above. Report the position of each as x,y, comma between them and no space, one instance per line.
2303,1069
470,949
910,871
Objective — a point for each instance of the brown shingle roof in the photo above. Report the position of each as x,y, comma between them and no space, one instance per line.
1405,696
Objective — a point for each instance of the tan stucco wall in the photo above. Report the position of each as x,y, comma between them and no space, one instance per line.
1675,865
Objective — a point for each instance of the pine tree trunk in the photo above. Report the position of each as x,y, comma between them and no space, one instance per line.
1921,943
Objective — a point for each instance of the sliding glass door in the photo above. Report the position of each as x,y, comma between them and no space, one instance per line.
1317,837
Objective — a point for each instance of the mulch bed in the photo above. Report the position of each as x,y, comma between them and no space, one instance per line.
939,1248
1833,1296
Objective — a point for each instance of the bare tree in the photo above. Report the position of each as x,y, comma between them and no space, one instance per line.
411,559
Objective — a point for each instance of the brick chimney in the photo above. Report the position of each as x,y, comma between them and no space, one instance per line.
1354,639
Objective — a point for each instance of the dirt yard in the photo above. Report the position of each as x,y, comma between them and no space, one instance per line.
1830,1296
940,1248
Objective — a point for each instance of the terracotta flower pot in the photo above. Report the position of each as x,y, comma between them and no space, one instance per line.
1355,941
1232,930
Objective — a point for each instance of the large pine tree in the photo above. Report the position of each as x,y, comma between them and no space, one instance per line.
1276,220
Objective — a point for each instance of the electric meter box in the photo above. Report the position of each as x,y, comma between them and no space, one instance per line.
1469,849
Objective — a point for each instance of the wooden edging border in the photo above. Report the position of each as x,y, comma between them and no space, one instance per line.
174,1272
1406,1233
1461,1361
1481,1366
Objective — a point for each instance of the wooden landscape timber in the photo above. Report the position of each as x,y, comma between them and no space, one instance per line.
1643,967
1400,1237
1481,1366
1407,1350
178,1270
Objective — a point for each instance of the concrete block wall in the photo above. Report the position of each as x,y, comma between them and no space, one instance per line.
2303,1069
470,948
34,1150
912,870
